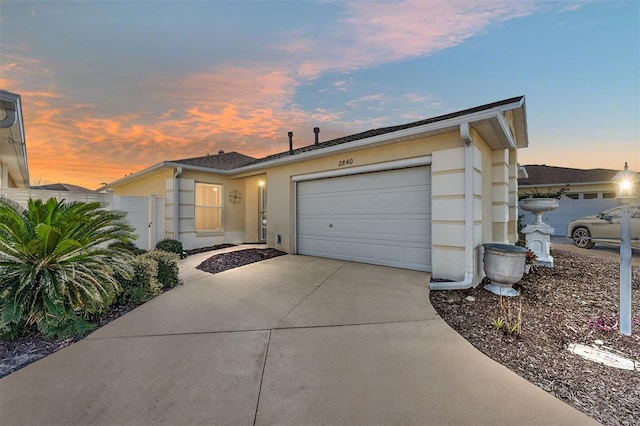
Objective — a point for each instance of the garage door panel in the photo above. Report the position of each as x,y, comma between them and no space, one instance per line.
381,218
417,227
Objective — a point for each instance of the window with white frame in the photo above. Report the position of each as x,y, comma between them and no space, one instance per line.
208,207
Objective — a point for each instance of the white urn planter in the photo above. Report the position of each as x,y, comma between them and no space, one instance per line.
539,206
538,234
504,265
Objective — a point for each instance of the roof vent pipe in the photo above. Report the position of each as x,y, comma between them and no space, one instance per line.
316,130
290,134
221,152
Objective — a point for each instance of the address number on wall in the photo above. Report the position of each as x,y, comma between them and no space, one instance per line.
346,162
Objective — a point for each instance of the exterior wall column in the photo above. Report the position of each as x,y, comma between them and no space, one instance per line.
447,214
501,205
170,208
513,196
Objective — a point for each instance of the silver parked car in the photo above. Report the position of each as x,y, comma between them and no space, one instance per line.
604,228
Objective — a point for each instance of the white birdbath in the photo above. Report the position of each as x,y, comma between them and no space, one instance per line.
538,234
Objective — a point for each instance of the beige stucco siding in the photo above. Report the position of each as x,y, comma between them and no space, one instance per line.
151,184
494,199
280,187
251,191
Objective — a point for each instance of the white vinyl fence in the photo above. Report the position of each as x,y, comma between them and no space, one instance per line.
145,214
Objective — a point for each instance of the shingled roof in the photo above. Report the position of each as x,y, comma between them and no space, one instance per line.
221,161
61,187
541,174
389,129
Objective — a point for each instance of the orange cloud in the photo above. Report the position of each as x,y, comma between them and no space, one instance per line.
246,108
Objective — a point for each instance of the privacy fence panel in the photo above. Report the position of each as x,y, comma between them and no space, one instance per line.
145,214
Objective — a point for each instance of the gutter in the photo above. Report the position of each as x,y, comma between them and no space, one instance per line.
13,117
9,120
467,282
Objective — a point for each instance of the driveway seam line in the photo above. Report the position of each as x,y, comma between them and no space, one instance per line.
358,324
309,295
264,367
198,333
194,333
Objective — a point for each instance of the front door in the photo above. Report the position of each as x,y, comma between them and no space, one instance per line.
262,214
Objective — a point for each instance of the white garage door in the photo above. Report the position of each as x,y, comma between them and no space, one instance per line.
382,218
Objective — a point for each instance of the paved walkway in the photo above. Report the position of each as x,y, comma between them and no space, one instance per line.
294,340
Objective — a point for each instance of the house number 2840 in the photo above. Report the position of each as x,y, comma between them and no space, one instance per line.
346,162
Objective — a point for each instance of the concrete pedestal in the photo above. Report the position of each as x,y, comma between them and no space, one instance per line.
538,237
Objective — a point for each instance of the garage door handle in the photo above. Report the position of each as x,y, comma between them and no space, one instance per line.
331,225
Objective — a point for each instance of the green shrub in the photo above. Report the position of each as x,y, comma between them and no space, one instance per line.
55,266
143,285
130,247
171,246
167,267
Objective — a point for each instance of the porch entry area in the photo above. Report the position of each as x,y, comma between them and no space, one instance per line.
381,217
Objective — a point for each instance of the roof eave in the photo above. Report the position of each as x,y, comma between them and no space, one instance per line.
165,164
494,114
22,172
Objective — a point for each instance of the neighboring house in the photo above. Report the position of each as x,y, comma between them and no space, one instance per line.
423,196
14,170
590,192
61,187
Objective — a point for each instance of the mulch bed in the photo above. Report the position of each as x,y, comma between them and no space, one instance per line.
225,261
576,301
208,248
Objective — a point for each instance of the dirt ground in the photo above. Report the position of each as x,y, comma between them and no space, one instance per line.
576,301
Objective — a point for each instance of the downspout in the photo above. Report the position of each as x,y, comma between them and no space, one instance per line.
176,203
467,282
10,119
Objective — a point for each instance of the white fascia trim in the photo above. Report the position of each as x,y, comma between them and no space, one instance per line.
506,130
377,167
412,132
164,164
197,168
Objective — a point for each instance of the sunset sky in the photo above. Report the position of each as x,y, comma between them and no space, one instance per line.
112,87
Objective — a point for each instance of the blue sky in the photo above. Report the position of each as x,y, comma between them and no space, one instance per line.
112,87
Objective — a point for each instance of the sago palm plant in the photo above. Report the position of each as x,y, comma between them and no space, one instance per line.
56,266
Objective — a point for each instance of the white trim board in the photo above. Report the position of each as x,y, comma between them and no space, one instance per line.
369,168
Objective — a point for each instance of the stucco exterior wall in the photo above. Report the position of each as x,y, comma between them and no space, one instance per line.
500,206
494,201
281,188
252,185
513,196
233,214
151,184
447,212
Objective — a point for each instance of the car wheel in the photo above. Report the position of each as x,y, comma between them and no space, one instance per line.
582,238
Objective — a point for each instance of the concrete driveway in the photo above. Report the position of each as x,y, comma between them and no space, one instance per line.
293,340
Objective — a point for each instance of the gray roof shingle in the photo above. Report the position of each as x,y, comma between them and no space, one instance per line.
541,174
220,161
389,129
